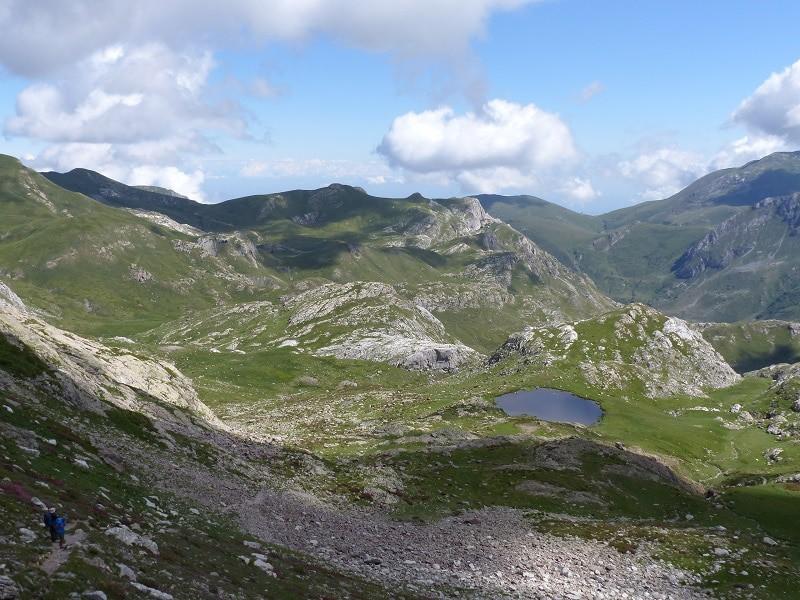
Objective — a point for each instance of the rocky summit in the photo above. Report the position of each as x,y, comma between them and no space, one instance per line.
292,395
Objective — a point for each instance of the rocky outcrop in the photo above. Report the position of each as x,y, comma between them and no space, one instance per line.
740,235
371,321
633,348
91,375
445,220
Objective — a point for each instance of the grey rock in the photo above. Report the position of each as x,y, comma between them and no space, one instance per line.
131,538
126,572
152,592
8,588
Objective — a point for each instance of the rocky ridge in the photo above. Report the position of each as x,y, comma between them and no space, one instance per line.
633,346
86,371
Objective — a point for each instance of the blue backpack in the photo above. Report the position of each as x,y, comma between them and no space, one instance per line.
59,523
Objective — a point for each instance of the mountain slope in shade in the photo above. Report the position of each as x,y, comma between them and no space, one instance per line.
748,266
644,252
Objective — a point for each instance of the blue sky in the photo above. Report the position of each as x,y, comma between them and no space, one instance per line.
591,104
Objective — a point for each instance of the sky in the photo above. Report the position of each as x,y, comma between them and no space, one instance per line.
593,104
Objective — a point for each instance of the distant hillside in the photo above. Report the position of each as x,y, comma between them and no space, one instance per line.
413,281
717,250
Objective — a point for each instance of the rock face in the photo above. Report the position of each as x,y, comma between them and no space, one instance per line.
738,236
787,385
755,251
8,589
89,371
371,321
635,347
446,220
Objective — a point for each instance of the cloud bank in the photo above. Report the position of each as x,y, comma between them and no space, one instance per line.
125,87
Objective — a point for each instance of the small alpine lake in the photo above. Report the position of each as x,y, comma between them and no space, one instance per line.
551,405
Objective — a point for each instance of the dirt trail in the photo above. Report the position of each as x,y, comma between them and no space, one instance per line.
59,556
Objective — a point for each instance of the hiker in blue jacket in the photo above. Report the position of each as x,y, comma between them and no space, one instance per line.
59,525
49,517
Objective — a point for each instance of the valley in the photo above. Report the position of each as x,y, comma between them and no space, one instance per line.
293,395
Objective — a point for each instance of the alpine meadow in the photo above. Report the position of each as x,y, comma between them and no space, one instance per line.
495,299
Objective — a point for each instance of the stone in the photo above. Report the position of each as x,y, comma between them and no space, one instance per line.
773,455
769,541
8,588
736,409
774,430
721,552
94,595
27,535
126,572
38,503
152,592
264,566
130,538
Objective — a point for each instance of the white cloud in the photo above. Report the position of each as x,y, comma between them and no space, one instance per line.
774,108
130,113
496,179
504,145
591,90
124,95
121,163
664,171
747,148
373,172
42,36
128,84
261,88
187,184
579,190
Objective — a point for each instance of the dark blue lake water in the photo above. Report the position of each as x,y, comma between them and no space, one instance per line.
551,405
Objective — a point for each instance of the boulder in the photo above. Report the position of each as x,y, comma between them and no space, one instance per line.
8,589
130,538
152,592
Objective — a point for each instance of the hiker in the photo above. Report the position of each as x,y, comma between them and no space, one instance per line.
59,524
49,517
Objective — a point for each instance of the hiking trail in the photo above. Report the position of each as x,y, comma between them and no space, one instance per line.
57,557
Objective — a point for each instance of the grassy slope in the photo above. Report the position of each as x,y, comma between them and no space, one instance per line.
630,252
74,261
200,553
751,345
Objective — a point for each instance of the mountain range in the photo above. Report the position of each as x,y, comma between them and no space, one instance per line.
724,248
296,394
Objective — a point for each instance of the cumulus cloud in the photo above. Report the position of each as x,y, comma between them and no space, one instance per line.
129,82
664,171
773,109
42,36
120,162
132,113
747,148
579,190
503,145
124,95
